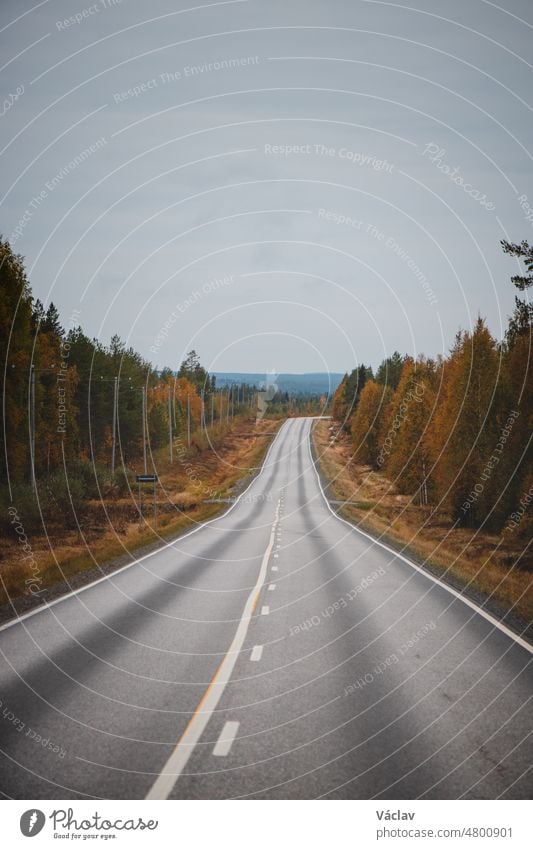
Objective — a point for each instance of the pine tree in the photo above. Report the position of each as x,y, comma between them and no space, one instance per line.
516,462
365,426
347,394
405,444
521,322
56,413
465,429
390,371
524,251
16,332
51,323
193,371
339,406
157,425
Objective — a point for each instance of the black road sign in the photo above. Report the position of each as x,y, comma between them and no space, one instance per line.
146,478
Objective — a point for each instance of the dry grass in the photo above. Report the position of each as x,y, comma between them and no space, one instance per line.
466,557
111,528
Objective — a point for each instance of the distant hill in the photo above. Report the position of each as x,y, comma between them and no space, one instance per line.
313,383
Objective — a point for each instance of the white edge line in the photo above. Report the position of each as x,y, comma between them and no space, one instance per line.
48,605
176,763
471,604
225,741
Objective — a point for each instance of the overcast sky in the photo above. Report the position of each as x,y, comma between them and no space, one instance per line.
292,186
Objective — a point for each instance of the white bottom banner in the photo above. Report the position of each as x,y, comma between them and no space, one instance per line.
200,824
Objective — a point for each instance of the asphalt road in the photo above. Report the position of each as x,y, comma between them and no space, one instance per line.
274,653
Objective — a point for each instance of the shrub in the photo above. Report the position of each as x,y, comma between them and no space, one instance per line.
66,496
27,507
123,480
88,474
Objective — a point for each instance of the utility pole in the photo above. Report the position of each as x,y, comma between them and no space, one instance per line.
174,419
424,487
227,408
212,408
170,446
144,428
115,406
32,427
188,421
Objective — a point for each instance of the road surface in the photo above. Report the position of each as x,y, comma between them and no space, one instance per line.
274,653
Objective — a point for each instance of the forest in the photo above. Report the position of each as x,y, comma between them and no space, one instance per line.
454,432
82,418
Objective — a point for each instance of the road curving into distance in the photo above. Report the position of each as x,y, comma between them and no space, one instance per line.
275,652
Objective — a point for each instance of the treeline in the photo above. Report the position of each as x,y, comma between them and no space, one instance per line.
284,404
454,432
74,405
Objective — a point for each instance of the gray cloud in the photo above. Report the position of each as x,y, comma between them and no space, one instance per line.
357,91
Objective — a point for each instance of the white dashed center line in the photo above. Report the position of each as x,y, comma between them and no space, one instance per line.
257,652
179,757
227,736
